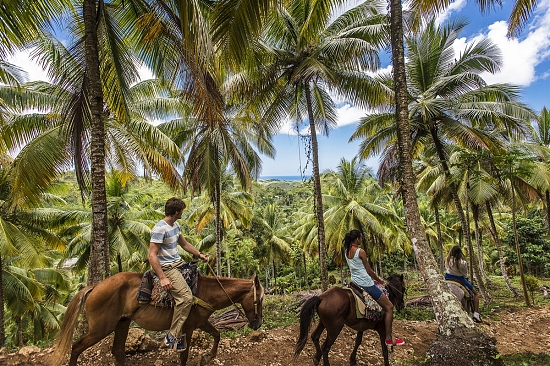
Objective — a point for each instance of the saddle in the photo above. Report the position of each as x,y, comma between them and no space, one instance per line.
151,292
366,306
467,293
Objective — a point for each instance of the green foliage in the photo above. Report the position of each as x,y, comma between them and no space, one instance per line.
533,285
533,243
527,359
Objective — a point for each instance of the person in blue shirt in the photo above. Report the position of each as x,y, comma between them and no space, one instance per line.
363,275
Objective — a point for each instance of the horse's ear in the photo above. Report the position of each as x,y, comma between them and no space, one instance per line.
402,278
254,278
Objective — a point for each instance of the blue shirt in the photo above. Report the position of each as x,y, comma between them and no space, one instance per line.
358,271
167,236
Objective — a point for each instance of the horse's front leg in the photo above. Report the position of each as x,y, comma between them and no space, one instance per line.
381,330
353,356
119,342
210,329
315,336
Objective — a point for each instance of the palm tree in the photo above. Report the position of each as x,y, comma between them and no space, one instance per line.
303,56
234,212
272,237
353,202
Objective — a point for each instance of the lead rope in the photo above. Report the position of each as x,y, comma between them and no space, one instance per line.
229,297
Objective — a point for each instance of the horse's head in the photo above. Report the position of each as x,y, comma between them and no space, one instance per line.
252,304
396,289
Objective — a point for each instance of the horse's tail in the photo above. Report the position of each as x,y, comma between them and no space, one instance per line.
65,337
306,316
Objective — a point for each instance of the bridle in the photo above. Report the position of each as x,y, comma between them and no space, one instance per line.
230,299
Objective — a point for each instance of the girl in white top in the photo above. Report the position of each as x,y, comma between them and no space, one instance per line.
362,274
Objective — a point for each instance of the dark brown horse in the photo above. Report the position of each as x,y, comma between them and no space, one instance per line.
112,305
336,308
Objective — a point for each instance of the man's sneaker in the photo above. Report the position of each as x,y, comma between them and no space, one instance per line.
477,318
178,345
398,342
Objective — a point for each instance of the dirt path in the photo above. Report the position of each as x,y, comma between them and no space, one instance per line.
516,330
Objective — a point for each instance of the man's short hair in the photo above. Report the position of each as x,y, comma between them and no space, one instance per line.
173,205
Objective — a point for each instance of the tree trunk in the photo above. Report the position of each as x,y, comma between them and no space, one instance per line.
99,246
518,251
547,194
494,232
318,194
2,314
305,269
474,267
19,322
119,262
447,309
479,243
439,240
217,204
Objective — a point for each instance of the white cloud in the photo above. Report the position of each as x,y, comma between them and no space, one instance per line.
455,6
23,60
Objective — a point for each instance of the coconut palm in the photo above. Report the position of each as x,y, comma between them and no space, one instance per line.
272,237
304,56
353,202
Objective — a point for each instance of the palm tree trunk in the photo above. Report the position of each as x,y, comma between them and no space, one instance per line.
318,194
99,248
518,251
494,232
448,311
305,269
547,194
479,243
217,203
439,239
227,261
2,314
19,322
474,267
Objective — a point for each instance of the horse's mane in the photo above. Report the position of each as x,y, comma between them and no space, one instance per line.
396,290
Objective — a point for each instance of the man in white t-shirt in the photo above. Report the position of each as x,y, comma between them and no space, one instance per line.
165,260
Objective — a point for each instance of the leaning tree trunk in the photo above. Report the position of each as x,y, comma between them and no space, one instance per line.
318,194
450,316
99,246
448,311
547,195
494,232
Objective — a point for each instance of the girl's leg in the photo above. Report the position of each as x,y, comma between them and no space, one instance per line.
388,319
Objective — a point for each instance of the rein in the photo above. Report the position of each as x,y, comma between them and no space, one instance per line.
229,297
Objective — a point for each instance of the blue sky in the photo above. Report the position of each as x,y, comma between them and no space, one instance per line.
526,64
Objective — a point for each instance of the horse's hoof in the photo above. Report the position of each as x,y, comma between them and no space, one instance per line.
205,360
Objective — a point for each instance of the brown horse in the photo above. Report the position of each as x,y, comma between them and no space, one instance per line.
336,308
112,305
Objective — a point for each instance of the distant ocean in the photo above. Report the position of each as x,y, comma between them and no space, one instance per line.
284,177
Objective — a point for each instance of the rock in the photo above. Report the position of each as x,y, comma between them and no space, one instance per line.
256,336
28,350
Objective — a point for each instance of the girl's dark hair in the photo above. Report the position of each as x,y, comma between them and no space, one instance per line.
350,238
456,254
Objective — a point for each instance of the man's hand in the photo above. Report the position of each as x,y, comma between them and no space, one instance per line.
166,283
204,257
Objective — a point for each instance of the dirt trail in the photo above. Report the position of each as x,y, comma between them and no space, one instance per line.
516,330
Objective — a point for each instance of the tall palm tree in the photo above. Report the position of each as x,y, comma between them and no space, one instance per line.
304,56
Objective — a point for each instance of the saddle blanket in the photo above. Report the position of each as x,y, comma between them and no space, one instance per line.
365,306
151,292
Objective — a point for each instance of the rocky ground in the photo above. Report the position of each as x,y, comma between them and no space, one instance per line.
516,331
